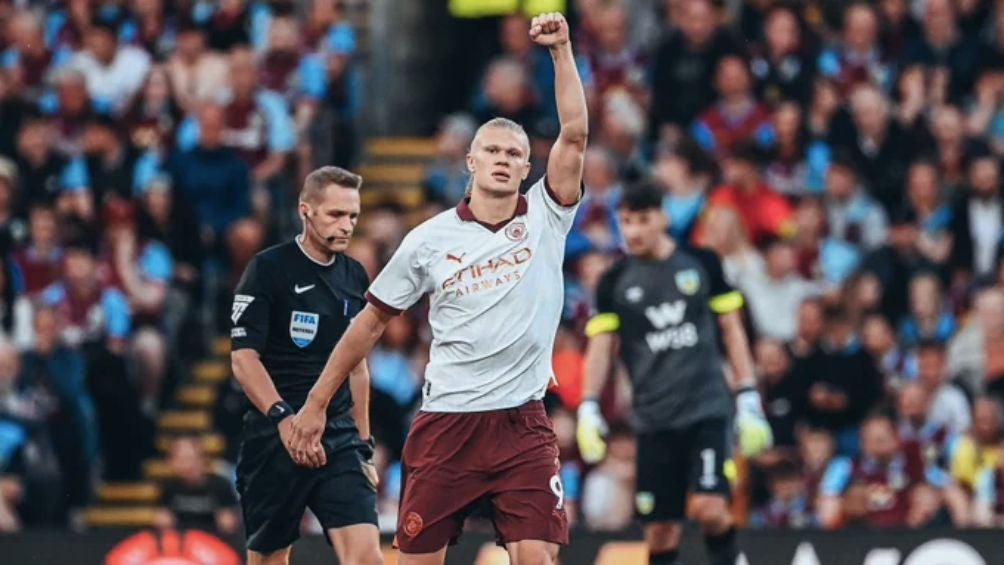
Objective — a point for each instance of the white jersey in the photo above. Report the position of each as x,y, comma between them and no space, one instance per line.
496,294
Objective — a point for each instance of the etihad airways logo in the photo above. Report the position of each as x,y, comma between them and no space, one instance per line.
500,271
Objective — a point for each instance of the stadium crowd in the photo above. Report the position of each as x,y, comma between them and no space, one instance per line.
147,150
842,158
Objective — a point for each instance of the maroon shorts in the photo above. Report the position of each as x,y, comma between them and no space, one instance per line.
455,462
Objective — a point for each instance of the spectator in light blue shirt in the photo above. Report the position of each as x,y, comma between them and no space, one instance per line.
852,216
685,171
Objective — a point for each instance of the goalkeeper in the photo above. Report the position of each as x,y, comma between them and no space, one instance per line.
663,302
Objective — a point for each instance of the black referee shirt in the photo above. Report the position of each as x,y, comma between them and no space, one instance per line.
292,310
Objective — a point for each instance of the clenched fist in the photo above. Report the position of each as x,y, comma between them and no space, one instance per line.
549,30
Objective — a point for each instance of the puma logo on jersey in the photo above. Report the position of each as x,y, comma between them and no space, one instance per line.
452,257
666,314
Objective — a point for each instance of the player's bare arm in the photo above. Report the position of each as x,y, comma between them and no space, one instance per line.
308,424
591,426
564,165
754,431
359,387
259,388
737,351
599,357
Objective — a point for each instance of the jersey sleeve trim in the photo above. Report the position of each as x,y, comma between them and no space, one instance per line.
602,324
554,197
725,303
382,306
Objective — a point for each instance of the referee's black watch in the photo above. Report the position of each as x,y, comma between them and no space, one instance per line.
279,411
368,447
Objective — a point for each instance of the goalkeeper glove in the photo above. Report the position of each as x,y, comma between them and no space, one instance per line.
754,431
590,431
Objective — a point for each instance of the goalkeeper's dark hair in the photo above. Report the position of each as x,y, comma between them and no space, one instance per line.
643,195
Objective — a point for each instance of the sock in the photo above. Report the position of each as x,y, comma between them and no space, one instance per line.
662,558
722,549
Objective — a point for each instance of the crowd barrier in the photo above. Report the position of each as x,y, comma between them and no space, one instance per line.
850,547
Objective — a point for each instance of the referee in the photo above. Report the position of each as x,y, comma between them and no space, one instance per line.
290,308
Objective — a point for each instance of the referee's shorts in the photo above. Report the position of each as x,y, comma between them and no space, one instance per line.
274,491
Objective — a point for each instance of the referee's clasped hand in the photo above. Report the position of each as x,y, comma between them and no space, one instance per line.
304,443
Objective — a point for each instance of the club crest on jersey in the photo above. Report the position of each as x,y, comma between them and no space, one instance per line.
241,302
644,502
687,281
516,231
303,327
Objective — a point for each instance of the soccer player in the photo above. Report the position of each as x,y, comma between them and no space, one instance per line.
492,268
664,302
292,305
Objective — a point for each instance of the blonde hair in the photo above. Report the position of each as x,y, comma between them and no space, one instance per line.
495,123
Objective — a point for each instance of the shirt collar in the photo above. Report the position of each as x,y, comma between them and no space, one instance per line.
307,255
465,213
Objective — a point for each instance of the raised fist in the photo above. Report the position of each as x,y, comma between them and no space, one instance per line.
549,30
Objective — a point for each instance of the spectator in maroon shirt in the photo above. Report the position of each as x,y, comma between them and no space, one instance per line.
790,504
40,258
151,120
28,56
282,57
883,487
737,116
858,57
614,62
